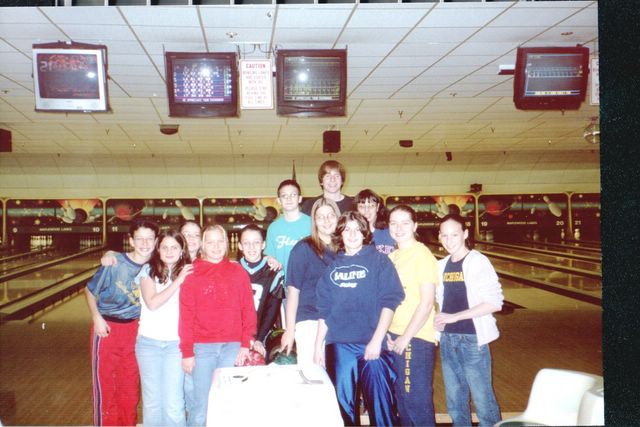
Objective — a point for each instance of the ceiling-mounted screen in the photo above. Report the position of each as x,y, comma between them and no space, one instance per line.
202,84
70,77
311,83
551,78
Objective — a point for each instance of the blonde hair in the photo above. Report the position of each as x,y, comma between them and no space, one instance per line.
314,239
217,227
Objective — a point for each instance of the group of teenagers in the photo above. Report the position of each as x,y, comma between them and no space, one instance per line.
362,297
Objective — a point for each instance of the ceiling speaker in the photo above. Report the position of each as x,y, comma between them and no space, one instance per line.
331,141
5,141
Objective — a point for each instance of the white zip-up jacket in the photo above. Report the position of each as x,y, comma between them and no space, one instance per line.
482,285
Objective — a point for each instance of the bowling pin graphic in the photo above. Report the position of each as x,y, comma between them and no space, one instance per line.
185,211
576,234
553,207
69,212
442,207
562,234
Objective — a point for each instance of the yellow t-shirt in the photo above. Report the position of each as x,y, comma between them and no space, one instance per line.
415,265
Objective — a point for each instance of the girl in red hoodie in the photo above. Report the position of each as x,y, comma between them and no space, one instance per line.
217,317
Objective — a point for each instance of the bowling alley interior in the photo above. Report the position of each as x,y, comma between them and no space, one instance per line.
486,108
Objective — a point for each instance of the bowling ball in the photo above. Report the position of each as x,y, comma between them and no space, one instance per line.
271,213
275,354
281,358
255,359
81,216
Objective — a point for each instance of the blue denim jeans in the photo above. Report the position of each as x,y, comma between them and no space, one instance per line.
188,392
350,373
414,383
467,368
208,357
162,380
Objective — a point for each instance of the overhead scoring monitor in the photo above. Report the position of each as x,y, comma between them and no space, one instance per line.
551,78
202,84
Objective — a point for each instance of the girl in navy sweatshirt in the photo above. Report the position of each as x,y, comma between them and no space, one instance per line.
356,298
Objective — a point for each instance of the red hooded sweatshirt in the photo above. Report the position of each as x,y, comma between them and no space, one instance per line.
216,306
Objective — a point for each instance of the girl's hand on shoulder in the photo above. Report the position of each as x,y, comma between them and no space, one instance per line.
273,263
187,269
108,259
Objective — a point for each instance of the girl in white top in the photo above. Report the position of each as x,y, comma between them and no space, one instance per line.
157,351
468,293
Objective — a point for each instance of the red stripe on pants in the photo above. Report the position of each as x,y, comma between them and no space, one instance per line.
116,379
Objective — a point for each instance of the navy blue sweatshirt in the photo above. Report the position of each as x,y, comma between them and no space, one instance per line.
352,292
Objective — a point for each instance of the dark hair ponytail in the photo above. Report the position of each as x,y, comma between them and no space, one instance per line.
468,242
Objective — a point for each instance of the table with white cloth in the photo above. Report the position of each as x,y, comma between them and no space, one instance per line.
278,395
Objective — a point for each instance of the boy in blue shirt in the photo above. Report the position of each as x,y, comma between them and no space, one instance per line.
291,226
113,297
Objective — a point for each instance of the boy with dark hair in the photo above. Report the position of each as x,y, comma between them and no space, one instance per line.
113,296
267,284
331,176
291,226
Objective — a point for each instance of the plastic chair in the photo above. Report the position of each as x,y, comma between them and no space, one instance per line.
555,398
591,411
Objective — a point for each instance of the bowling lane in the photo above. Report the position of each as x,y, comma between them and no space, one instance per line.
573,248
489,249
550,249
544,277
31,258
27,284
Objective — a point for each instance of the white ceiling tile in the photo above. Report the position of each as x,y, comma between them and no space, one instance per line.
396,71
333,16
584,18
117,70
243,36
410,61
556,36
84,15
16,63
467,15
98,32
376,50
303,35
157,49
505,34
424,49
484,49
531,15
371,35
161,16
120,60
377,18
246,16
23,15
175,34
472,61
439,35
35,33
